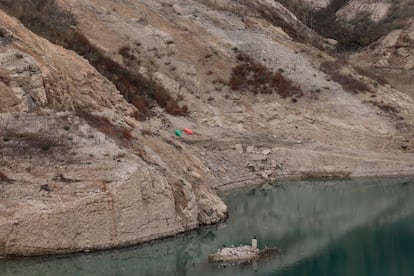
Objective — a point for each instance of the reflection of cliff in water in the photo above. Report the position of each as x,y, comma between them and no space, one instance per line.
305,218
172,256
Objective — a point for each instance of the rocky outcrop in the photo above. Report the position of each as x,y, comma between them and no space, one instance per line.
392,57
73,183
377,10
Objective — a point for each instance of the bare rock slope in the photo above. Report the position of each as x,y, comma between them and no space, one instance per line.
71,183
376,9
79,172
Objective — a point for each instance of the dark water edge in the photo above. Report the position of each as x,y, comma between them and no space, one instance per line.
355,227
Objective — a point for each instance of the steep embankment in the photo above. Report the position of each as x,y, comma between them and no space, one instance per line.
263,106
78,181
392,57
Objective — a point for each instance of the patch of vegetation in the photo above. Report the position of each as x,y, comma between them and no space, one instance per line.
105,126
125,52
4,177
26,141
252,76
5,37
4,76
387,108
370,74
47,19
348,82
43,17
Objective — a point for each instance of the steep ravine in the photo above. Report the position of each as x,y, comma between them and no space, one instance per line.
80,172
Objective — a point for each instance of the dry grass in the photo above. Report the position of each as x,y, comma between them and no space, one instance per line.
371,75
348,82
105,126
252,76
25,143
390,110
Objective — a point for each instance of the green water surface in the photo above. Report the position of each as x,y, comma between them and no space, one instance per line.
358,227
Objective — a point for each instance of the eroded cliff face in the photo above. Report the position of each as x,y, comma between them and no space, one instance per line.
80,173
82,181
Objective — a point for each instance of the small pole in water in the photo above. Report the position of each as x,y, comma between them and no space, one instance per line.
254,243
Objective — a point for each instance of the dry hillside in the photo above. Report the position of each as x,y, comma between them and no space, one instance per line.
89,155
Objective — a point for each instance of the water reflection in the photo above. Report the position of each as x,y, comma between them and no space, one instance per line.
362,227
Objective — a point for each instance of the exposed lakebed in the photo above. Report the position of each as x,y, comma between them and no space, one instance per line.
355,227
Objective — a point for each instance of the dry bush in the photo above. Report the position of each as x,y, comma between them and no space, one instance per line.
146,132
23,143
255,77
5,37
4,177
348,83
174,109
143,108
371,75
43,17
385,107
4,76
125,52
127,134
169,104
105,126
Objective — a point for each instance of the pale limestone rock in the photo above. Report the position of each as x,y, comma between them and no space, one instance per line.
250,149
259,157
238,148
267,151
376,9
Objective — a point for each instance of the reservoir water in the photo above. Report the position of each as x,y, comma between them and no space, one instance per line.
358,227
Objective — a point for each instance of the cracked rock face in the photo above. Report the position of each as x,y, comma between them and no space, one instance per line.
25,79
85,192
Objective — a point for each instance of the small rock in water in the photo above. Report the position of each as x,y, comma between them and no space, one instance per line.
265,174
